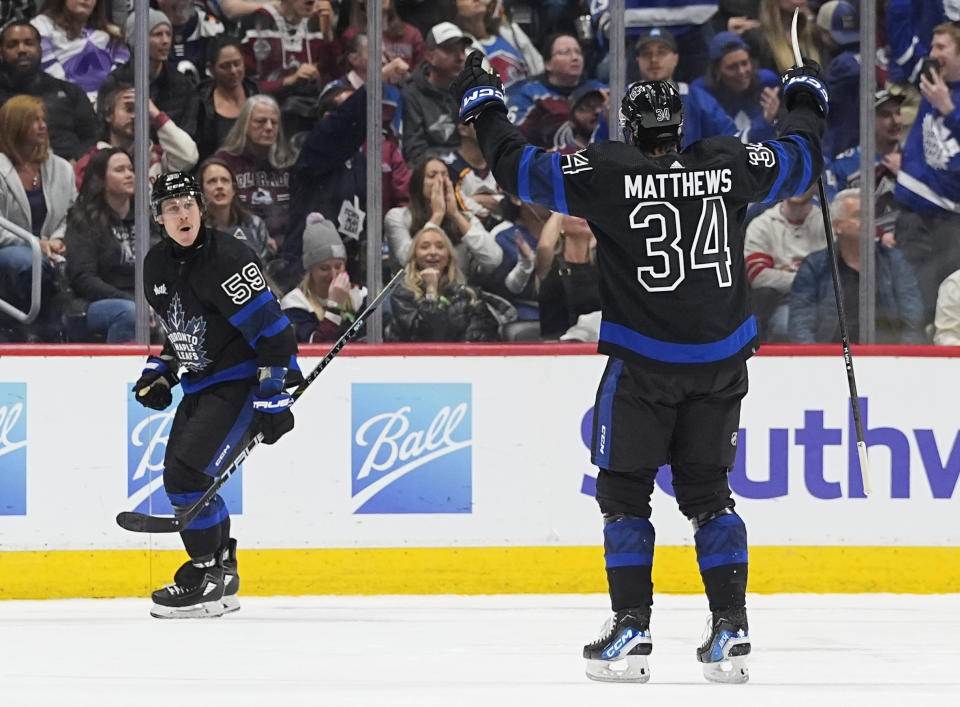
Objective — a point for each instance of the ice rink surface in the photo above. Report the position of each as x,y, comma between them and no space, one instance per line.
850,650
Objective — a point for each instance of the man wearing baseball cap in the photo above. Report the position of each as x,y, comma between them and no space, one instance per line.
889,133
657,58
839,22
429,109
587,106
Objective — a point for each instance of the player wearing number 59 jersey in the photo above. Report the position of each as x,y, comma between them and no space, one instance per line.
676,326
236,350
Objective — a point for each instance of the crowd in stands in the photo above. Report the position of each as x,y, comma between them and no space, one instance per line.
265,102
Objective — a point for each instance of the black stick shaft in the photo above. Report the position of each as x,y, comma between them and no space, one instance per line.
844,340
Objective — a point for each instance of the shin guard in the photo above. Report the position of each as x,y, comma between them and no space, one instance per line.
722,556
628,551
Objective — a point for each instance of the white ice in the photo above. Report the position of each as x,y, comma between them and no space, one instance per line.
851,650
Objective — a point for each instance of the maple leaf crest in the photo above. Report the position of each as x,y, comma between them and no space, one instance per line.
188,338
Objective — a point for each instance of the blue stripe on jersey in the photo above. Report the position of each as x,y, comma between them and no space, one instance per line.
603,414
722,541
247,369
668,352
259,317
250,309
559,192
807,164
523,173
785,165
273,329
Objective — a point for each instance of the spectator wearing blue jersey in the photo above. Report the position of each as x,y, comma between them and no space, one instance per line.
518,236
750,97
657,59
507,48
844,172
813,308
540,105
840,22
910,26
928,184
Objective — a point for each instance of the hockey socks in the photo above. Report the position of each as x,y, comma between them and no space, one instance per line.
628,551
721,545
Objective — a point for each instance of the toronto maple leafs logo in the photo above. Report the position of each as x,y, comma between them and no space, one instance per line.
939,145
188,338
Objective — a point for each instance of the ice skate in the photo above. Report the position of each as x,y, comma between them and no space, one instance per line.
196,593
727,645
620,653
231,580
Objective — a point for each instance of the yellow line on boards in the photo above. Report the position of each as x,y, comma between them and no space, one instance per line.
476,570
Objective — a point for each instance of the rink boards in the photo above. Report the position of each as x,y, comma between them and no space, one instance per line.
466,469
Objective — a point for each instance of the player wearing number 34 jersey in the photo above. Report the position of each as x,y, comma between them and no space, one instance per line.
676,326
236,351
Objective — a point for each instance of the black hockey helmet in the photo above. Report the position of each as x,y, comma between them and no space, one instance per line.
174,184
652,112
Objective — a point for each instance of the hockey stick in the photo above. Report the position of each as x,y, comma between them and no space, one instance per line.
144,523
838,295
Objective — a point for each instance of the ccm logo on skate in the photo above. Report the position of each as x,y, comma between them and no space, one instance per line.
623,639
412,448
798,459
13,449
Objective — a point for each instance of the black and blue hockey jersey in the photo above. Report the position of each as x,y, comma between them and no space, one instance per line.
669,229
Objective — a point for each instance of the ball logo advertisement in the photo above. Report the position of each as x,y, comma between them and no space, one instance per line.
13,449
147,433
411,448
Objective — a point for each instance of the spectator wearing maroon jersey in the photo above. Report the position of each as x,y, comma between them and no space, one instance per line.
540,105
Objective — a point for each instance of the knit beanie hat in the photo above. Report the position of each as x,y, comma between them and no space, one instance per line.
321,241
155,18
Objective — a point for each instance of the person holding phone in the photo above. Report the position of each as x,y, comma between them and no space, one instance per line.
928,184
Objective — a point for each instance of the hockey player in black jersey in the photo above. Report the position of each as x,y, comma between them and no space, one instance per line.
226,330
676,327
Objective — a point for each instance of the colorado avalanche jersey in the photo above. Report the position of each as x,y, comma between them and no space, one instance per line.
221,320
670,229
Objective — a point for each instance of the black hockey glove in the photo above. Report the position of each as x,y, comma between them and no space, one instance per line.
805,80
477,89
157,378
271,404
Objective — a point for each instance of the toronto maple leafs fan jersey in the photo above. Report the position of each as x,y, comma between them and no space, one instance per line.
670,229
929,177
212,301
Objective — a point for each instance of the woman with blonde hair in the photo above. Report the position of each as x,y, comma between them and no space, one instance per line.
37,189
260,156
433,200
771,41
434,302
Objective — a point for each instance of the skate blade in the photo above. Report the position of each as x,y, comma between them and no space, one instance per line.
206,610
230,604
732,671
630,668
